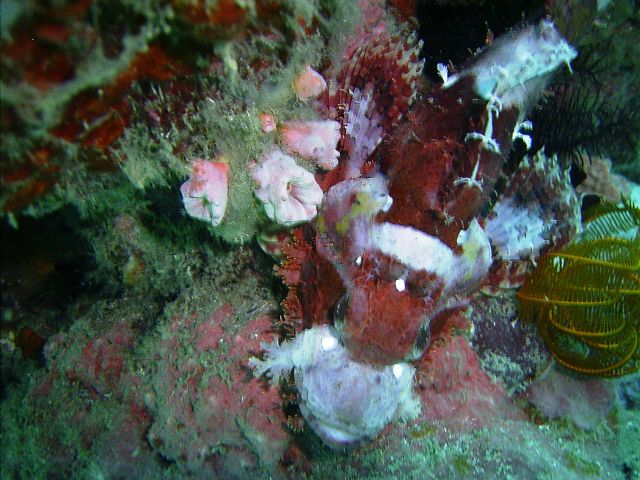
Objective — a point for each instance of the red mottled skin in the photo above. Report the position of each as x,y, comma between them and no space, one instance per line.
427,154
507,274
424,159
393,334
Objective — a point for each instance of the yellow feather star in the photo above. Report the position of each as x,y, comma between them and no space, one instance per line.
586,297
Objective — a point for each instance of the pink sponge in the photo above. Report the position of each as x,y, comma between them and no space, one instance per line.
205,194
314,141
558,393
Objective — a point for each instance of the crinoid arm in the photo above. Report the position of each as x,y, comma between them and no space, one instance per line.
586,297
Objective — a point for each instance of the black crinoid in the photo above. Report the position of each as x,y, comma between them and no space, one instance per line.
579,117
595,111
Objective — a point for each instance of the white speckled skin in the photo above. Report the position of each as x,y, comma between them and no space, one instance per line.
517,232
345,402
